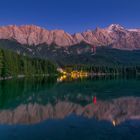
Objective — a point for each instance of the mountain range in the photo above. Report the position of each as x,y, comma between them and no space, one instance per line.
114,35
111,45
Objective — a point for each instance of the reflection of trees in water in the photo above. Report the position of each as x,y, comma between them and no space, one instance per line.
47,90
18,90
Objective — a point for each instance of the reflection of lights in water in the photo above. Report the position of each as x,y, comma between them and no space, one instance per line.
63,75
61,78
94,100
114,123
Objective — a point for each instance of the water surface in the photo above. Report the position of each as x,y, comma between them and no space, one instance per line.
42,108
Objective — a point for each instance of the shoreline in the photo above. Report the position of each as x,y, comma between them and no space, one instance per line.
23,76
47,75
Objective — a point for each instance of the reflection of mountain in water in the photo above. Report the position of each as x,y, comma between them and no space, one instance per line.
29,101
116,111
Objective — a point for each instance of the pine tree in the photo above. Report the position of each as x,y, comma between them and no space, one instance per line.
1,62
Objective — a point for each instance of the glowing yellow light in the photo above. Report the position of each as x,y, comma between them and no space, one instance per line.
114,123
78,74
64,73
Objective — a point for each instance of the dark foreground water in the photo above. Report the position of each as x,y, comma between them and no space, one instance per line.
103,108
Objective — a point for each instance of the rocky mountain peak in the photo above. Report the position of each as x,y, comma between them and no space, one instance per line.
115,35
114,27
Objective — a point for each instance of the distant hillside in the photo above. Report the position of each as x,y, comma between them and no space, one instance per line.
13,65
77,54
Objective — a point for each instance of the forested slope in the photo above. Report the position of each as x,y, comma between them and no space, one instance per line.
12,64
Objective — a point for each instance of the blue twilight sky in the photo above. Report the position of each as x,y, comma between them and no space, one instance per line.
70,15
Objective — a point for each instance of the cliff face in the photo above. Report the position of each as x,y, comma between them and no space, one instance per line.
34,35
114,35
116,111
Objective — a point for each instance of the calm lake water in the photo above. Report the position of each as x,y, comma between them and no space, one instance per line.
103,108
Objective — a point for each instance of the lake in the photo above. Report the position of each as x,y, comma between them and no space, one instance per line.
45,108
